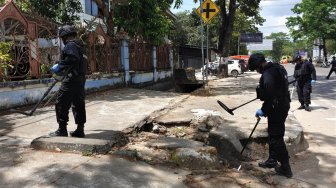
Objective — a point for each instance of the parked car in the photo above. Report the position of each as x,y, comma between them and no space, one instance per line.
234,67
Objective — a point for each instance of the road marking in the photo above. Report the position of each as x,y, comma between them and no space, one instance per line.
331,119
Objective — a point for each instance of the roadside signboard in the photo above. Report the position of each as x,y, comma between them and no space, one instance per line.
210,10
267,44
251,38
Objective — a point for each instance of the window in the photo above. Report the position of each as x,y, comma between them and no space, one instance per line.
91,7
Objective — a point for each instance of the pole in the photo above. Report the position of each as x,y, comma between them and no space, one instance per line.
249,138
238,45
208,59
206,66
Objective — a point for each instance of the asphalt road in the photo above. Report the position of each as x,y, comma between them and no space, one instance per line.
317,164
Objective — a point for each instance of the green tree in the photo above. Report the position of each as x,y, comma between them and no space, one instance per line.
150,19
280,40
227,18
315,19
61,11
243,24
145,18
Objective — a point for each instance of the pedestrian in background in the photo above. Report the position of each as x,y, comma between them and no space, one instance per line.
273,91
333,67
71,92
305,75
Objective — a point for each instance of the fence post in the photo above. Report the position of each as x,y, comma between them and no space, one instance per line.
171,60
154,59
125,60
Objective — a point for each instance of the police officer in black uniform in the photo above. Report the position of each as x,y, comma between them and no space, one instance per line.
71,92
273,90
305,75
333,67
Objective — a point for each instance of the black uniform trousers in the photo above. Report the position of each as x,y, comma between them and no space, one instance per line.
71,92
304,89
333,69
276,131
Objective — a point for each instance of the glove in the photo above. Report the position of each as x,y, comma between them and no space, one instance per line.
55,68
313,82
259,113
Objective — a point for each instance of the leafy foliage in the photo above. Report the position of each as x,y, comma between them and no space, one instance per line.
4,55
61,11
314,19
280,40
5,58
145,18
187,29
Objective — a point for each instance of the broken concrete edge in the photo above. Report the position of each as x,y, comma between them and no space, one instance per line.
228,140
138,126
85,146
171,151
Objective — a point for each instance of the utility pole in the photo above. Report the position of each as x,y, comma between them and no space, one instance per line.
202,46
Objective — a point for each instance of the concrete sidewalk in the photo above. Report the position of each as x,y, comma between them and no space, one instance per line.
109,115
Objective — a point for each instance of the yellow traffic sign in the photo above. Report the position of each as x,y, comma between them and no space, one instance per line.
210,10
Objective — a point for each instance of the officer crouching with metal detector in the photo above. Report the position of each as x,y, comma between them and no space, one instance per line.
273,90
72,67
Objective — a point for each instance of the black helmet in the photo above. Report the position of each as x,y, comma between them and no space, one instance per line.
67,30
255,61
297,58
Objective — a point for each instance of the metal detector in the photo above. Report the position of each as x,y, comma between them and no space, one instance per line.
38,103
249,138
57,79
230,111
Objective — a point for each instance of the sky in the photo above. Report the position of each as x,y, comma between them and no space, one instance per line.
274,11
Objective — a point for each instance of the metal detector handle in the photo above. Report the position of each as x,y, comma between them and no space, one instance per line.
40,101
248,140
244,104
48,90
291,82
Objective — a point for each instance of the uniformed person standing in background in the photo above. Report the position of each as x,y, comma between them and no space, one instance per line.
333,67
72,90
305,75
273,91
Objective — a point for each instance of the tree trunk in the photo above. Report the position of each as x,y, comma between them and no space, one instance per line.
324,50
108,15
225,31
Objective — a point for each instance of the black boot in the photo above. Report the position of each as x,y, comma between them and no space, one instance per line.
79,132
301,107
307,108
284,170
269,163
61,131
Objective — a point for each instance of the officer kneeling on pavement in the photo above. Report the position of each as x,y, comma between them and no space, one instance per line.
305,75
273,91
72,68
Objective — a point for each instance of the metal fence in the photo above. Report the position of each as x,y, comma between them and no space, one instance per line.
140,55
163,57
103,53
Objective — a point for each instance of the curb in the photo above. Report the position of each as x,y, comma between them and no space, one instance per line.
71,144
